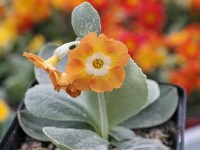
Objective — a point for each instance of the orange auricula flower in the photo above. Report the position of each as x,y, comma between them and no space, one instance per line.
97,63
151,14
58,78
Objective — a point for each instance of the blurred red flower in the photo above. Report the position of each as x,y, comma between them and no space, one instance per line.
195,4
151,14
189,50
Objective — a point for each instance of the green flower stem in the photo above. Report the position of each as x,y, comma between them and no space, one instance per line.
103,116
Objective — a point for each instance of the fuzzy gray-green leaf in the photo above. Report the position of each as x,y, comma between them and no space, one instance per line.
121,133
121,103
46,52
44,102
158,112
85,19
74,139
153,92
33,125
3,94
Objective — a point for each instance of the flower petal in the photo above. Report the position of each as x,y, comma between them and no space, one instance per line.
100,84
33,57
116,48
84,50
73,92
90,38
60,81
75,69
116,76
120,60
39,62
36,60
83,84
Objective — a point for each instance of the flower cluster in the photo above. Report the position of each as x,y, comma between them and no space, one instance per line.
20,17
96,64
186,45
146,49
143,25
138,25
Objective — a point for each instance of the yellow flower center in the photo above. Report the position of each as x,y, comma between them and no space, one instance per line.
98,63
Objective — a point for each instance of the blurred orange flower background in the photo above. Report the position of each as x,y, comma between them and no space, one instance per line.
166,49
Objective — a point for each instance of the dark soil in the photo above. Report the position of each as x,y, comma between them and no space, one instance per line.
31,144
165,132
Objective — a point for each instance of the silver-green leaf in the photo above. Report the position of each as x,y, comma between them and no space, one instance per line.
85,19
75,139
153,92
121,103
121,134
158,112
42,101
3,94
33,125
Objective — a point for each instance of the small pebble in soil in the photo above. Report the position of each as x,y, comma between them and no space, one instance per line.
165,133
31,144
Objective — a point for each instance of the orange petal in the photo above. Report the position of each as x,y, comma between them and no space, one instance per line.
90,38
120,60
103,37
36,60
100,84
97,43
73,94
54,79
116,76
33,57
116,48
83,84
81,52
41,63
72,91
60,81
75,69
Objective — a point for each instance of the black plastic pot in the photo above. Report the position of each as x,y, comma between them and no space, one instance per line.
15,136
